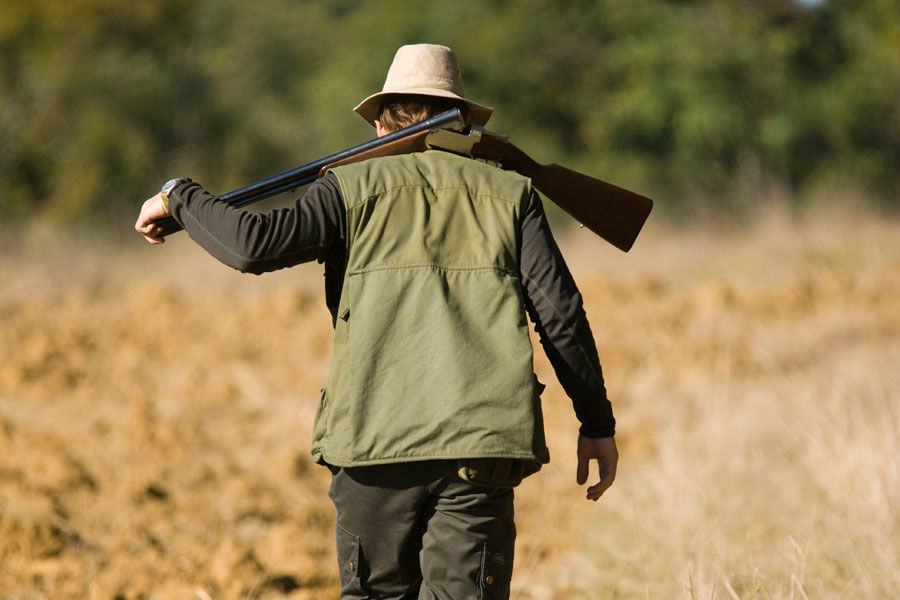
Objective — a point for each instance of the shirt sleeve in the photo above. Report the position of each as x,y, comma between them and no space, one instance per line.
555,306
311,229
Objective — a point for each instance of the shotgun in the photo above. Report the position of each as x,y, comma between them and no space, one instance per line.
615,214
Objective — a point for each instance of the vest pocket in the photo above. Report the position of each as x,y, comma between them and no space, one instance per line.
496,570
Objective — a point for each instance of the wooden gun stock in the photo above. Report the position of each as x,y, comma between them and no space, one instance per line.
613,213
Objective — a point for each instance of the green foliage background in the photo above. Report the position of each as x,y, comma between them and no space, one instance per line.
707,104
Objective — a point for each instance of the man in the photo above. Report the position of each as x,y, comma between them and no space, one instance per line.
431,412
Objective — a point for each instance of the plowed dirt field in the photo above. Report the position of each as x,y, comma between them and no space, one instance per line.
156,407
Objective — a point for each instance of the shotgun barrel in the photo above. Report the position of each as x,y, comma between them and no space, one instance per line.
298,176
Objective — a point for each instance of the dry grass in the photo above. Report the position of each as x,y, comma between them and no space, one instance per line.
155,411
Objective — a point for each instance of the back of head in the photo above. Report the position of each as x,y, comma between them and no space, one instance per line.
402,110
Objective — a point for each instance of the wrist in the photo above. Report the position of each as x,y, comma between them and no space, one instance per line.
167,189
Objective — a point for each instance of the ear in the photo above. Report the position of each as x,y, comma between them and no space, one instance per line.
380,131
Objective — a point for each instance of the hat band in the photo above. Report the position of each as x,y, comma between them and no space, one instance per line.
438,83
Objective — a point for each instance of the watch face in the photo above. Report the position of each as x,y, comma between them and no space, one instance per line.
167,186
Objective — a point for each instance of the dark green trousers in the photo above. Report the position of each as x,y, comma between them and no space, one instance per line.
418,531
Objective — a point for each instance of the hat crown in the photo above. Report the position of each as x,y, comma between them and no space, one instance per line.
423,70
426,66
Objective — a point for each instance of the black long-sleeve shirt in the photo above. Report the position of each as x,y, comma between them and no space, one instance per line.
314,229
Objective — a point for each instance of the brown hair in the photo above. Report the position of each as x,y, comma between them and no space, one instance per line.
402,110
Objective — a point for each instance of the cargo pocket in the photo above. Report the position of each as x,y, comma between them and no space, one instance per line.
348,561
496,570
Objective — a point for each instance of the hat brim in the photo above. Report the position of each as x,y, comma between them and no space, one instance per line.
368,108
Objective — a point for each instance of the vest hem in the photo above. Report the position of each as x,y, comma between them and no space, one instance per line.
339,460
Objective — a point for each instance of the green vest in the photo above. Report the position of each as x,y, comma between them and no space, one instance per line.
432,358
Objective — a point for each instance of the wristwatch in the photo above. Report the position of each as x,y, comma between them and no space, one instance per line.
167,187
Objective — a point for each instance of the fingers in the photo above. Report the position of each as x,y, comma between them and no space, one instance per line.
595,491
150,230
607,477
146,224
155,239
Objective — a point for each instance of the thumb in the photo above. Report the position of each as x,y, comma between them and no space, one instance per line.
583,464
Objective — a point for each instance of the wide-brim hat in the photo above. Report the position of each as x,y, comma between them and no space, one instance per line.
423,70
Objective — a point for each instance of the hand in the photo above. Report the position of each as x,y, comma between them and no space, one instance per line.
151,211
604,450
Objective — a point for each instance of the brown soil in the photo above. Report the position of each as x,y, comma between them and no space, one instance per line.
155,410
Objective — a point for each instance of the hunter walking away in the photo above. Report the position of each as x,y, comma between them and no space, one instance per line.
434,263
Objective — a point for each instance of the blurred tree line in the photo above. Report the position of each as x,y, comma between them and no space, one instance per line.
709,103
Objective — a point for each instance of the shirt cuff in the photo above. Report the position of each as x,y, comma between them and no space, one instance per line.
593,431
